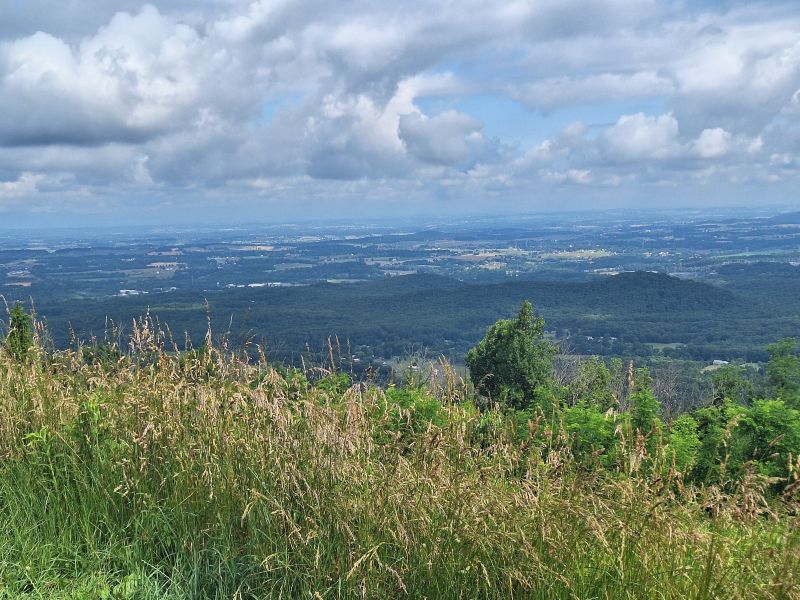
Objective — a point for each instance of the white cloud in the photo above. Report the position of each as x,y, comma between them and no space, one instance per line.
25,185
580,176
140,173
741,77
188,97
448,138
641,138
139,76
554,92
712,143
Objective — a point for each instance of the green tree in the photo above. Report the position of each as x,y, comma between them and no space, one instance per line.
783,372
19,338
643,404
592,433
592,385
716,429
729,382
770,435
684,443
513,363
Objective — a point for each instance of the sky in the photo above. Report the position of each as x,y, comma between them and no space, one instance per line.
226,111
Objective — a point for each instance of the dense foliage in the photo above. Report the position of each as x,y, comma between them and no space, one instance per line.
513,363
633,314
734,434
19,338
150,473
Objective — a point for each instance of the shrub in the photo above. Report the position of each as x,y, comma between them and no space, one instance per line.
592,433
684,443
770,433
19,337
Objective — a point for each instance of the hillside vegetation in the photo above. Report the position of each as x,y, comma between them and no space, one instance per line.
144,472
627,314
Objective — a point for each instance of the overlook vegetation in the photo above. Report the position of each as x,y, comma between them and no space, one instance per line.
152,471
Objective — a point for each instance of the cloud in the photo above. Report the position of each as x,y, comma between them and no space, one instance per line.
24,186
140,173
197,100
448,138
641,138
139,76
741,76
712,143
557,92
580,176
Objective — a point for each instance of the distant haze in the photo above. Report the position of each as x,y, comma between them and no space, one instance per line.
228,111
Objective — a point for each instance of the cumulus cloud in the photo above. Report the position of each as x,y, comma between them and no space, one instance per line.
740,77
712,143
25,185
448,138
200,99
639,137
139,76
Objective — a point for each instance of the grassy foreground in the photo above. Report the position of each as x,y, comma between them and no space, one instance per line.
154,475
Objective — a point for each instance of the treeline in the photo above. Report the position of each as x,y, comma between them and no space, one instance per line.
633,314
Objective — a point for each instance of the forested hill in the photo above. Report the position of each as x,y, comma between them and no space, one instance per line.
631,313
792,218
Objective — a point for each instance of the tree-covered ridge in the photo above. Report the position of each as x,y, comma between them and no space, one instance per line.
632,314
142,471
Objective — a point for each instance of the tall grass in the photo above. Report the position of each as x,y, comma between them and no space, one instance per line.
151,474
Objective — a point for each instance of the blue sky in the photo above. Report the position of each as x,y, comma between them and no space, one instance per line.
219,111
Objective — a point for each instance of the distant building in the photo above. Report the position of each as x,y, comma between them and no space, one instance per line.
719,363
